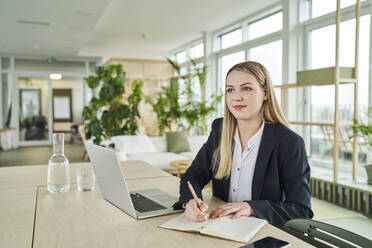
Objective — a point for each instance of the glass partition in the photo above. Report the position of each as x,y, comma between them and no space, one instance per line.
33,109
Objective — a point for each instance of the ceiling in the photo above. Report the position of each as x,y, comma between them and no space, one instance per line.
112,28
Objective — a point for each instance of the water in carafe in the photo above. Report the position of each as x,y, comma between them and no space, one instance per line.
58,167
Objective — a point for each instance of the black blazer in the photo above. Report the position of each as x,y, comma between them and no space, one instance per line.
280,186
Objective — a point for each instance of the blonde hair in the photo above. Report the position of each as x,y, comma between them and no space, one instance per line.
270,111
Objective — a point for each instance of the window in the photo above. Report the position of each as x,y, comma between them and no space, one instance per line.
227,62
183,71
197,51
181,57
195,85
319,7
265,25
231,39
322,54
322,43
269,55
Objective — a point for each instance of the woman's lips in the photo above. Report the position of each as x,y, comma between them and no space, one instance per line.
239,107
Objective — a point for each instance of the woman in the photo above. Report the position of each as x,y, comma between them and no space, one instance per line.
255,162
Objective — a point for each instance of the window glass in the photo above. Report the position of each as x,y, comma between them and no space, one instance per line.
269,55
265,26
183,71
321,7
322,42
231,39
197,51
92,67
228,61
181,57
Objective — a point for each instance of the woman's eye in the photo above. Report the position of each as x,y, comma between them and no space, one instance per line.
247,89
230,90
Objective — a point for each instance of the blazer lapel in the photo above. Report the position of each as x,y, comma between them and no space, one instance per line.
264,153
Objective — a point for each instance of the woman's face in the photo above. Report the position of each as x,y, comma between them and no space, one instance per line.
244,95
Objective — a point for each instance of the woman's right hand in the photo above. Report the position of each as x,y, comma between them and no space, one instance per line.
196,214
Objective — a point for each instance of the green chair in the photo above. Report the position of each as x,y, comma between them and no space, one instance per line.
324,235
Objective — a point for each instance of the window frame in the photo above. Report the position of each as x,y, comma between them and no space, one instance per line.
322,21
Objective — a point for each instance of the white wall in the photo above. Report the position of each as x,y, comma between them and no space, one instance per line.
76,84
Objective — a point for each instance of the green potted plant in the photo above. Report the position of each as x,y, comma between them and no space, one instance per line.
195,109
166,107
107,115
364,130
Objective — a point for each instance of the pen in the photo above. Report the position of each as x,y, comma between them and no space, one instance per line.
198,201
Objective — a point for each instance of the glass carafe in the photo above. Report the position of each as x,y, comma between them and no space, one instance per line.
58,167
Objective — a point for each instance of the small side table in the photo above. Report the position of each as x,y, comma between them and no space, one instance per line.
181,165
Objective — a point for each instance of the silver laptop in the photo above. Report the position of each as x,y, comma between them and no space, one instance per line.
138,204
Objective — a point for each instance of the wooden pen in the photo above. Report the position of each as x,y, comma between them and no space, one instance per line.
196,198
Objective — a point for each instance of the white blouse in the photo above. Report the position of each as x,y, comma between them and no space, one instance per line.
242,168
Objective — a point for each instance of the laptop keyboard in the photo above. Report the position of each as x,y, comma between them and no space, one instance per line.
143,204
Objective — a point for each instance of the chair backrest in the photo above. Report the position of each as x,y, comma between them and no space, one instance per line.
345,139
324,235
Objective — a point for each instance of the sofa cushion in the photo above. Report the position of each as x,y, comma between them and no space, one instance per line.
177,142
159,159
133,144
160,143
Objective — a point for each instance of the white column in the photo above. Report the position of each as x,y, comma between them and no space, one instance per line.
211,80
87,73
1,97
370,61
290,44
209,84
14,119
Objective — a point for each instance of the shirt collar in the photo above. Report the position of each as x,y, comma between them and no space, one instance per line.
254,140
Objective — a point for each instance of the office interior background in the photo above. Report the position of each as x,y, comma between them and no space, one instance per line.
47,48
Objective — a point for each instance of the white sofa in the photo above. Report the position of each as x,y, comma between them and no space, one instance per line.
153,150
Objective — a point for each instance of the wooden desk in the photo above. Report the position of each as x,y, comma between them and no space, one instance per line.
36,175
85,219
17,211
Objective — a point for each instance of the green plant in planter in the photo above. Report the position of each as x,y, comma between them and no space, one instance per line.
195,110
364,130
107,115
166,107
206,106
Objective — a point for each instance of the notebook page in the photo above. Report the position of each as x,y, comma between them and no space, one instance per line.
181,223
241,229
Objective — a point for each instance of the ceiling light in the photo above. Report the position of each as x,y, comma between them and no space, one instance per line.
34,22
55,76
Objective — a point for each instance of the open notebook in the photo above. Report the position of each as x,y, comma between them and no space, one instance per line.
241,229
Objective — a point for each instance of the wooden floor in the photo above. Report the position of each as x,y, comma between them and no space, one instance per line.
39,155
